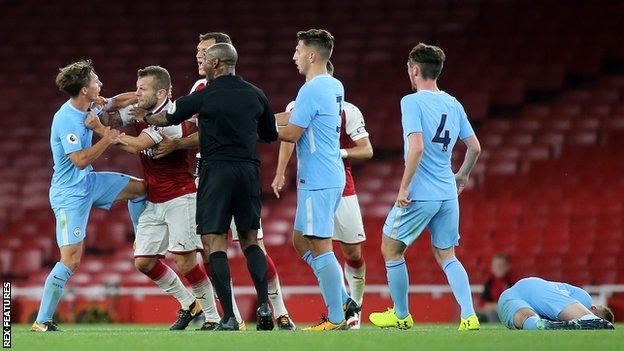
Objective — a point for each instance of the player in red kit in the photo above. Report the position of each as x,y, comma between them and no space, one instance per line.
168,145
348,225
167,221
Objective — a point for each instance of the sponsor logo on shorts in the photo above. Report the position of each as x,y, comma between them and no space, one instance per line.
77,232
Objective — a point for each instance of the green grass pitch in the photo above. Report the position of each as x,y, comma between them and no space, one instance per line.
117,337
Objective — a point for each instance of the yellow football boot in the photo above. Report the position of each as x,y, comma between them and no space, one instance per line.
471,323
325,325
389,319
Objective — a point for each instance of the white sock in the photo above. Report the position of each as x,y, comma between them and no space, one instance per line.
275,295
204,293
172,285
588,317
237,313
356,278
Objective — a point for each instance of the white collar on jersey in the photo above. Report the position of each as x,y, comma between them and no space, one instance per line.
159,108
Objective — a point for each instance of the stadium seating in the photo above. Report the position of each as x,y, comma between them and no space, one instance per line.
548,107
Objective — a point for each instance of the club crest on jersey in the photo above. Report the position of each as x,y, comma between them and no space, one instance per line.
77,232
72,138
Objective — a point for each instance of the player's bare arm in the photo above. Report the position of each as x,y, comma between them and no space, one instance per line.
363,150
116,102
157,119
285,153
416,149
472,154
85,157
290,133
169,145
282,118
111,119
127,143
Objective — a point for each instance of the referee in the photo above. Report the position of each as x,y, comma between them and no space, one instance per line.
233,115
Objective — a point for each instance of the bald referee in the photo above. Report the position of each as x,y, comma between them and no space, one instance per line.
233,115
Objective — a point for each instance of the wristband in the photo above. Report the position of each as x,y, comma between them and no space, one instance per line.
109,105
343,153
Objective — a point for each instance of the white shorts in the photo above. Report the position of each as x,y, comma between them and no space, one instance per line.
168,226
348,225
235,231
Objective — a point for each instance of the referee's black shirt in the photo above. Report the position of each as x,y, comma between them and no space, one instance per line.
233,115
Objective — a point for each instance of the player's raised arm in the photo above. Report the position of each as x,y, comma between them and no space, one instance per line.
181,110
293,127
125,142
169,145
84,157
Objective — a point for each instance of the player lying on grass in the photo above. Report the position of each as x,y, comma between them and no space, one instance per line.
537,304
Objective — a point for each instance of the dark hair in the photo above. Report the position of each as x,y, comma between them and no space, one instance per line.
218,37
320,39
330,68
162,79
429,58
74,77
606,312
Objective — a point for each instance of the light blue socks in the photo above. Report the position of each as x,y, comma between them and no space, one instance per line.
458,280
135,208
52,291
530,323
329,275
398,282
307,256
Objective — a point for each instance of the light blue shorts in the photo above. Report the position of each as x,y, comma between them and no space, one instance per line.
509,303
547,299
100,190
440,217
316,210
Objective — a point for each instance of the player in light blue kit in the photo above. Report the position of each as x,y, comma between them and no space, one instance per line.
537,304
432,122
75,187
315,127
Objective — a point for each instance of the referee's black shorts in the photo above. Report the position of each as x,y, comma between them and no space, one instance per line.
228,189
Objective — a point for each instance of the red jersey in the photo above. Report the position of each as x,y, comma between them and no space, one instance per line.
168,177
494,287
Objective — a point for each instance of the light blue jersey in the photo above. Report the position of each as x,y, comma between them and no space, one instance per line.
441,119
74,191
544,297
317,110
68,135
